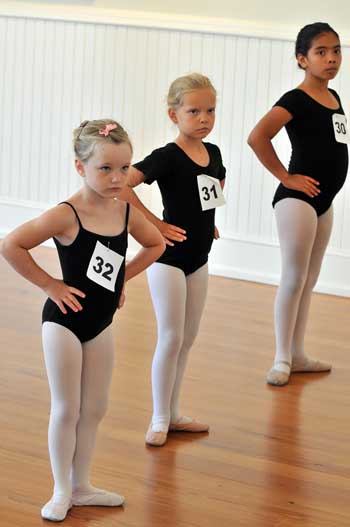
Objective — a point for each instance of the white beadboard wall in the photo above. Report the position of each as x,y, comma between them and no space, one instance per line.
57,72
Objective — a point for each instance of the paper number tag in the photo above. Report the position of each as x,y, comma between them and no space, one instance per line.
104,266
210,192
341,131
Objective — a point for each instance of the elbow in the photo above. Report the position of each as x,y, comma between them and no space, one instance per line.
7,247
251,139
162,247
4,248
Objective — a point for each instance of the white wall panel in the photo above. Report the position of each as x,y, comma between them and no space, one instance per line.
56,73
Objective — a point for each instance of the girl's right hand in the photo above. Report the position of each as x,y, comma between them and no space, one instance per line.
302,183
61,294
171,232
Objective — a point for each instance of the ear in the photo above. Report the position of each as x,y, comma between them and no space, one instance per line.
172,115
302,61
79,167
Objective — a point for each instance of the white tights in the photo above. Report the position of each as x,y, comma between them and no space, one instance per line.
303,240
79,377
178,302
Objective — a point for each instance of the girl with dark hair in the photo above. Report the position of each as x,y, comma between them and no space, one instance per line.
316,125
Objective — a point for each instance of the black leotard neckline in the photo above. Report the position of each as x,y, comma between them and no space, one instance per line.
322,105
81,228
190,158
97,233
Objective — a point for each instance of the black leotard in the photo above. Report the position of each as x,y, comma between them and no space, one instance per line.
176,175
315,151
100,303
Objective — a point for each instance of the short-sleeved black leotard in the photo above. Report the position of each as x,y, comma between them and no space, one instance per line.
100,303
315,151
176,175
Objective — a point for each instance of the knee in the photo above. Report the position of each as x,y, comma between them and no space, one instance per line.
94,412
189,338
171,342
293,283
65,415
311,280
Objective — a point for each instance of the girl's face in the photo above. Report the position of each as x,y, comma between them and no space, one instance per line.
106,170
323,58
195,117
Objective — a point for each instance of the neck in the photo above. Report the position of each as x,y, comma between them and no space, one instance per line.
315,84
189,142
91,198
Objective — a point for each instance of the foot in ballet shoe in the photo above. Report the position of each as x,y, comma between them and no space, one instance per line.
96,497
155,436
56,509
187,424
308,365
279,374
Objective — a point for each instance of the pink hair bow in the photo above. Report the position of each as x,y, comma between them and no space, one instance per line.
108,128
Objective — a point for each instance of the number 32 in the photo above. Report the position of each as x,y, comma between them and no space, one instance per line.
99,268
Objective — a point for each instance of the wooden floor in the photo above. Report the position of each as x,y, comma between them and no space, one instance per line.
274,456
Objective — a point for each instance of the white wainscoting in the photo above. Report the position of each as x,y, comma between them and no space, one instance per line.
56,73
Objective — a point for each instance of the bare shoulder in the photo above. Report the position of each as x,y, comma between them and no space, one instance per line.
135,177
276,117
60,218
54,222
135,217
272,122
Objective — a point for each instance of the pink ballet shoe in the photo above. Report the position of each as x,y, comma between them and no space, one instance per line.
154,438
191,426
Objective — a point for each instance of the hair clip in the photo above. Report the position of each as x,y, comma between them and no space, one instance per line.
108,128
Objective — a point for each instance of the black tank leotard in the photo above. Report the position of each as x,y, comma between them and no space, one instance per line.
176,174
315,151
100,303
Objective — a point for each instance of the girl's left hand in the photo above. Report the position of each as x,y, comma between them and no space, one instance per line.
216,233
121,298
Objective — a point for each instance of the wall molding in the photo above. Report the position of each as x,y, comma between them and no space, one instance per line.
263,243
259,262
169,21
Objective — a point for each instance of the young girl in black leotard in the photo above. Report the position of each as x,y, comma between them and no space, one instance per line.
90,231
190,176
315,122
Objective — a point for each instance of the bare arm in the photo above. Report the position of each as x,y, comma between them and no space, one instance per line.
151,240
135,177
169,232
15,249
260,140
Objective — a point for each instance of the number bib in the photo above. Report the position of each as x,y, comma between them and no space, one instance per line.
210,192
341,132
104,266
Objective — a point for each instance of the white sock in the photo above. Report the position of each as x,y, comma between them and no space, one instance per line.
307,364
279,374
160,427
281,366
96,497
56,509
